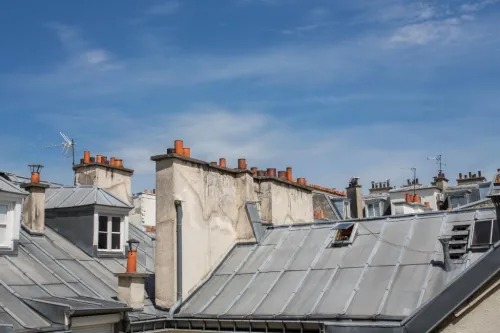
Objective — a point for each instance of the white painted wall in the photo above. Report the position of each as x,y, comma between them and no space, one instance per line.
426,194
12,221
144,212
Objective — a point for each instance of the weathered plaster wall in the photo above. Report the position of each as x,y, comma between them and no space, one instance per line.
214,219
113,180
34,210
282,203
482,315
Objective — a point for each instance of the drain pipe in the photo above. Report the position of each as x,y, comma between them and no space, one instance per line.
448,263
178,210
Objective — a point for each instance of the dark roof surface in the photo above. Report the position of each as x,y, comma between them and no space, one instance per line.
386,273
50,268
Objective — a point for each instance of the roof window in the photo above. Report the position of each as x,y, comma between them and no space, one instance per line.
345,233
485,233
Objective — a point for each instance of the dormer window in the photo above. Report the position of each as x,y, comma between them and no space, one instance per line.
459,200
485,233
4,225
345,233
373,209
110,233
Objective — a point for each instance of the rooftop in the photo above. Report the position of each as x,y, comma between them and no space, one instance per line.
295,273
81,195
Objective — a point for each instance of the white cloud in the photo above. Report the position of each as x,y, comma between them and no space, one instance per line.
371,151
96,56
427,32
165,8
476,6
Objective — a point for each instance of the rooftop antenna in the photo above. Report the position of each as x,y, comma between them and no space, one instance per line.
414,178
439,160
67,146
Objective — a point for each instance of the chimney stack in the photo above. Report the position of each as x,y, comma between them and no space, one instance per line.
34,204
355,196
131,283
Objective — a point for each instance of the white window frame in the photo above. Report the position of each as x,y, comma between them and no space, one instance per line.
110,232
9,224
374,205
492,226
337,243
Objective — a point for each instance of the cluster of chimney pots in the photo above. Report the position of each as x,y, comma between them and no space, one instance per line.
416,199
101,159
285,175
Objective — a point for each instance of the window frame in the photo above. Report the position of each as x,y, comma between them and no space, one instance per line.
109,232
9,224
473,234
336,243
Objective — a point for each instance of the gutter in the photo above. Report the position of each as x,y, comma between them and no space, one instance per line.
177,305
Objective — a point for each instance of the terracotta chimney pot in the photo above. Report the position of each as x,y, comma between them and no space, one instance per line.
86,157
213,163
98,159
242,164
179,147
301,181
427,204
222,162
170,151
289,175
186,152
112,162
271,172
35,177
282,175
254,171
261,173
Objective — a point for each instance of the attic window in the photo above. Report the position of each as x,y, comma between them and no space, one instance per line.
485,233
345,234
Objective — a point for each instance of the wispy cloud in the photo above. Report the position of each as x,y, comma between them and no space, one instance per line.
164,8
427,32
476,6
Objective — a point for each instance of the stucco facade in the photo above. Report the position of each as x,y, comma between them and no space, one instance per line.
115,180
144,212
284,203
214,219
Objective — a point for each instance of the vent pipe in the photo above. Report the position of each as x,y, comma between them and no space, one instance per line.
448,264
178,210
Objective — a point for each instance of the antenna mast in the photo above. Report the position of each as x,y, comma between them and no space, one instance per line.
439,160
66,145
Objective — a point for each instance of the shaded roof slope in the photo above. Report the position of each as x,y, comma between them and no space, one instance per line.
8,187
389,270
50,268
81,195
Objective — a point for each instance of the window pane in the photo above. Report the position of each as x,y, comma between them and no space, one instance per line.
103,241
376,209
115,224
3,214
482,232
103,223
496,235
115,241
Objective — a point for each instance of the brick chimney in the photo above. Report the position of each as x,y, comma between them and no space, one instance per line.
34,204
110,175
356,198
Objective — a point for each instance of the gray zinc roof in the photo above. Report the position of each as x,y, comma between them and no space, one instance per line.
80,195
9,187
391,268
49,268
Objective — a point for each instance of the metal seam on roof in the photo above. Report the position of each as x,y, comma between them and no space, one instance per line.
288,262
84,197
365,269
397,266
64,267
50,271
68,196
282,238
217,293
29,277
309,269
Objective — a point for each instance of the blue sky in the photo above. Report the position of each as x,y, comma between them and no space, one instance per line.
332,88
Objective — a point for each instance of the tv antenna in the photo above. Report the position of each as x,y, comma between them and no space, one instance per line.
68,145
414,170
439,160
